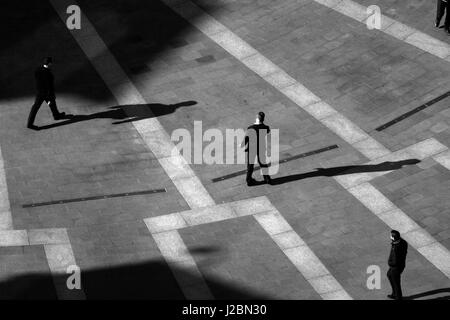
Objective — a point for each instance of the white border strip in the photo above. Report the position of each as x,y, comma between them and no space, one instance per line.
443,159
5,208
279,79
392,27
183,265
58,252
152,133
165,231
158,140
125,92
420,151
395,218
326,114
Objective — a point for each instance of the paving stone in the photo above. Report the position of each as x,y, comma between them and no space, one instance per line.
240,258
368,76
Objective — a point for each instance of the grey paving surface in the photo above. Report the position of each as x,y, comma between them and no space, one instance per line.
368,76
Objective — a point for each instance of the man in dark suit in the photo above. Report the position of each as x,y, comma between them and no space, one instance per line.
442,8
396,262
255,148
45,92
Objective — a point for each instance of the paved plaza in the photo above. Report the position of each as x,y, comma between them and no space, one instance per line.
364,128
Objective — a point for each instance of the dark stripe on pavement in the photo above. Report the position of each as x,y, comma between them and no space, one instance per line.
413,111
117,195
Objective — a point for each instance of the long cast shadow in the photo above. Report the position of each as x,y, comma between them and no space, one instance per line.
126,113
430,293
150,280
337,171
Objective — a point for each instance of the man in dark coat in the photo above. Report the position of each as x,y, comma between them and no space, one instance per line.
442,8
255,148
396,262
45,92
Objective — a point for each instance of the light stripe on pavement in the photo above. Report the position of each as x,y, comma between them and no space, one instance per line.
164,229
58,252
429,148
392,27
176,167
5,208
151,131
279,79
395,218
327,115
183,265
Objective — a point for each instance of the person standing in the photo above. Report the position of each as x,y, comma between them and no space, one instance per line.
397,263
45,92
442,8
256,147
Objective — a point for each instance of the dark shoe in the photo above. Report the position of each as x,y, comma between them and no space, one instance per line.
251,182
391,296
436,24
32,127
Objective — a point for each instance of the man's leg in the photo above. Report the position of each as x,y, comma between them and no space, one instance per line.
250,167
447,16
398,288
34,110
52,104
265,172
439,11
262,160
391,281
249,178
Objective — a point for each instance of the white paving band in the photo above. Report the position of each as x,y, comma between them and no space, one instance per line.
416,236
176,167
392,27
58,249
279,79
164,230
183,265
327,115
429,148
58,252
5,208
152,133
126,93
443,159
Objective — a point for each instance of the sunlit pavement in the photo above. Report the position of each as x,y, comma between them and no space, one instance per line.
109,196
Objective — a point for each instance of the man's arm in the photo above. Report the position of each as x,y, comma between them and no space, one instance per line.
244,142
392,261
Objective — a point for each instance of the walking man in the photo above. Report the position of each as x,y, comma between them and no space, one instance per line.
45,92
256,147
396,262
442,8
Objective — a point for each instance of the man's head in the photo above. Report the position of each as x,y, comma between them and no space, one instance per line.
395,235
48,61
260,117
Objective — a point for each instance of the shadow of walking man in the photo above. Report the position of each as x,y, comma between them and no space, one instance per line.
126,113
430,293
337,171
